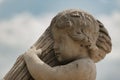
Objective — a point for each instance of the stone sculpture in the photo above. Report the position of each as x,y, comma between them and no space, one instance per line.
68,50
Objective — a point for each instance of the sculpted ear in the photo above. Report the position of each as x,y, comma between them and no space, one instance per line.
103,44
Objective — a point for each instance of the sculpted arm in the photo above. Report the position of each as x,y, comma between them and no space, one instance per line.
37,68
72,71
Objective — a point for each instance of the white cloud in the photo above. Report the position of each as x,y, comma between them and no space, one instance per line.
23,29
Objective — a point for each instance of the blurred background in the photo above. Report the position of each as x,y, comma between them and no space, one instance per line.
22,22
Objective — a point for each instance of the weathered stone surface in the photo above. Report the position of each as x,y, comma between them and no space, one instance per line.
70,47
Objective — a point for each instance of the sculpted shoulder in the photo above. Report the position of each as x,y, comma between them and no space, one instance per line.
85,69
82,69
84,64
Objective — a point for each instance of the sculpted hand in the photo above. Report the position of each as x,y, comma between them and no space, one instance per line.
33,51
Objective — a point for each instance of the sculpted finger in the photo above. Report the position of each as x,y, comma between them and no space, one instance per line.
33,47
39,51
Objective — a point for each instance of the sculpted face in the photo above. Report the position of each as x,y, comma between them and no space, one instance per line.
66,49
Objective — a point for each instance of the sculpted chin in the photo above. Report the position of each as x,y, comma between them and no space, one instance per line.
80,41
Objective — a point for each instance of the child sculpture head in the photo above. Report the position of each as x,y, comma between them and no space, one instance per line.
77,34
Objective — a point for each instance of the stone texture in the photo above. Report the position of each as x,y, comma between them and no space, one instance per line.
70,47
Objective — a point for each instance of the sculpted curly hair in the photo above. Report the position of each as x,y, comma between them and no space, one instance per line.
84,28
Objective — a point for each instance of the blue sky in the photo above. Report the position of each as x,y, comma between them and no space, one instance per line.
23,21
9,8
